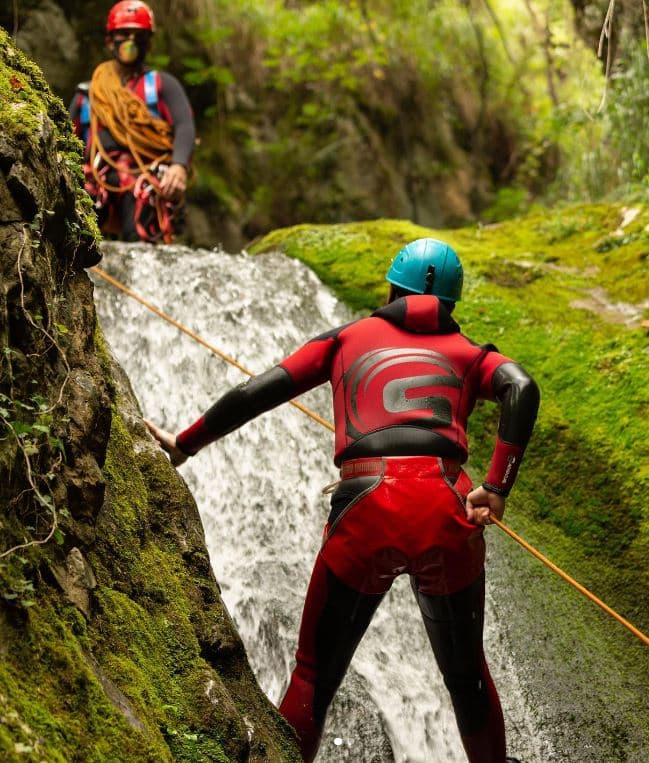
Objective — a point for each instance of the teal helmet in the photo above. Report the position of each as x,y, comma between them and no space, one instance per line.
428,266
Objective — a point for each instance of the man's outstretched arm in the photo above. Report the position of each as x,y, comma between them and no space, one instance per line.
238,406
306,368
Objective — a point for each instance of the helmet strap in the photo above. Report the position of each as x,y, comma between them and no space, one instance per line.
430,279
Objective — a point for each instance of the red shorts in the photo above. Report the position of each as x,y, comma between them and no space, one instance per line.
402,515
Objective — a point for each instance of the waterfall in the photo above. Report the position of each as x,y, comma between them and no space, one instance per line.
259,492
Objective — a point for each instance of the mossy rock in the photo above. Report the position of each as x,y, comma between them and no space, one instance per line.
114,642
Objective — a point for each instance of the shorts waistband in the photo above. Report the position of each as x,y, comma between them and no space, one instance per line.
400,466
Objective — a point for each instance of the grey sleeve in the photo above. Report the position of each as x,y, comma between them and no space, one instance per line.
182,117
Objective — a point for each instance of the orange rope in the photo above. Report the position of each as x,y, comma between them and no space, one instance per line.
326,424
149,139
570,580
198,339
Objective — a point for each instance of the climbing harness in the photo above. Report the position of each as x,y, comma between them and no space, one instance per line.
153,214
584,591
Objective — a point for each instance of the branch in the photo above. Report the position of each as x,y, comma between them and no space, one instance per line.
646,25
546,36
607,31
501,31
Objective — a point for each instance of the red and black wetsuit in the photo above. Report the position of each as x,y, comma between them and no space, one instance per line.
404,381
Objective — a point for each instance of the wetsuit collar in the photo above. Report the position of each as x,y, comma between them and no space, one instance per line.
420,313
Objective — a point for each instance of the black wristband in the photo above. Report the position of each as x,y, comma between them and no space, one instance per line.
494,489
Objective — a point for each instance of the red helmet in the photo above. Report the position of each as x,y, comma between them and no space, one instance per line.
131,14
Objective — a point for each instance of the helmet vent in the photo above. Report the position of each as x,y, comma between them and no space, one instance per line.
430,280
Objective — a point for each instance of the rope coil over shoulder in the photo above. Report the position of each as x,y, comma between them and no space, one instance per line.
148,138
329,488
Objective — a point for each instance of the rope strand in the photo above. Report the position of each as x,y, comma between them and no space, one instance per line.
584,591
201,341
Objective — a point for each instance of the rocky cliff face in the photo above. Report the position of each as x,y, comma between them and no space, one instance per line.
114,641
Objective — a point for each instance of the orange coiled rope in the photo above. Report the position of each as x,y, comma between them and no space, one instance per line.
148,139
584,591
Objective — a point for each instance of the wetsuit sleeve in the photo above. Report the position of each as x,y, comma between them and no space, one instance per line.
182,118
518,395
238,406
310,366
304,369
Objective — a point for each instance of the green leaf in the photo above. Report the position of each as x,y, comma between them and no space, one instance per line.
56,443
45,500
192,62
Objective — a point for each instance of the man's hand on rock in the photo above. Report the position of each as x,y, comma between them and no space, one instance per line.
167,441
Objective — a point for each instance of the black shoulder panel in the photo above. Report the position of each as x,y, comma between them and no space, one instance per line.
242,403
394,311
332,333
520,396
488,347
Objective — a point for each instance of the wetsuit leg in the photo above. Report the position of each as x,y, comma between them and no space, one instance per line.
454,623
334,620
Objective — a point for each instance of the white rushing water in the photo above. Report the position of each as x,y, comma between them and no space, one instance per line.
259,491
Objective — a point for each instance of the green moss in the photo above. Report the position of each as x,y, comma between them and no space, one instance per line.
58,708
127,493
26,101
137,682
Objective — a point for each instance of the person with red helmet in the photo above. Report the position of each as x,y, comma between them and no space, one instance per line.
139,131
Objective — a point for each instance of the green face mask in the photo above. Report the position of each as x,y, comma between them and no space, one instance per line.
130,48
127,52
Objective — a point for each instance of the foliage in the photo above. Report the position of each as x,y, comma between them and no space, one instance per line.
326,111
628,106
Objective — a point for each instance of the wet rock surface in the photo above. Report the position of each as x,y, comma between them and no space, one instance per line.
108,604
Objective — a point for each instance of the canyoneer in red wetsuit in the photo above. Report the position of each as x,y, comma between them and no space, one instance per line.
404,382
